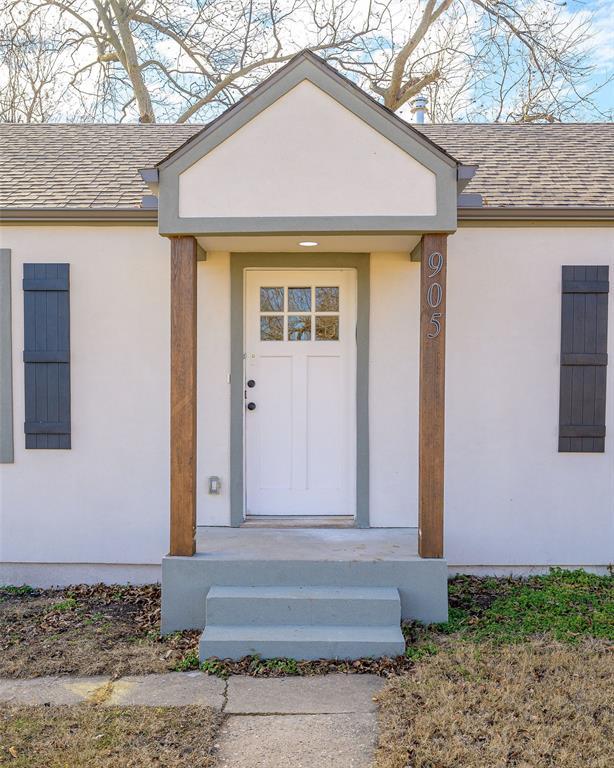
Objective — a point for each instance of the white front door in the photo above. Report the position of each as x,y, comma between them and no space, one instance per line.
300,392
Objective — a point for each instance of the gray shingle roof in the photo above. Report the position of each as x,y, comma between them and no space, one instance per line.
96,166
563,164
81,165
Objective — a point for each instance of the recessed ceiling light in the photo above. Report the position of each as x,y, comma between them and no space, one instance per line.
308,243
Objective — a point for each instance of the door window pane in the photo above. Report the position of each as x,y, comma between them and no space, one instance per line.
299,299
271,299
299,327
327,299
327,328
271,328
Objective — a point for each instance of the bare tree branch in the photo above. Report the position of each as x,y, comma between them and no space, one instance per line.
504,60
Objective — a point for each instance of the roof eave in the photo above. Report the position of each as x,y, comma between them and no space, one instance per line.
533,213
81,215
150,215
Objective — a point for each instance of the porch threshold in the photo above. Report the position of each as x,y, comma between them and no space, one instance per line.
298,521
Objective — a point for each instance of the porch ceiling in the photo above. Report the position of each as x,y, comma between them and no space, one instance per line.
326,243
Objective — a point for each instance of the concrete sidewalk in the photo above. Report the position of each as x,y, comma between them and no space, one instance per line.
303,722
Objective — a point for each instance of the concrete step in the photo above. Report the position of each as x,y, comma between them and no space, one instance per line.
302,622
283,605
300,641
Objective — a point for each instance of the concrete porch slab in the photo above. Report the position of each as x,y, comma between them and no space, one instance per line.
353,544
374,557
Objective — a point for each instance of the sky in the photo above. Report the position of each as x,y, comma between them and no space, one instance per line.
603,45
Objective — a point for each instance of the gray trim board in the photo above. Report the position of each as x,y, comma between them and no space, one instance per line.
6,362
239,262
149,216
535,213
306,66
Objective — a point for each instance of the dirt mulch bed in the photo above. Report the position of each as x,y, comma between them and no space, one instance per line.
86,630
114,630
531,705
107,737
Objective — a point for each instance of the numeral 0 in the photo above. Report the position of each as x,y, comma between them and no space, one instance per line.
434,295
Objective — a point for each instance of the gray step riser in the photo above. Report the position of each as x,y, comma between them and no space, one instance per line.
223,642
300,652
263,611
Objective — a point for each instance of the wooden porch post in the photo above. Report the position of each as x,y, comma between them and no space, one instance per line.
432,393
183,396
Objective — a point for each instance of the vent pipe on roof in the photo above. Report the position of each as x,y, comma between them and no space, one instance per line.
419,109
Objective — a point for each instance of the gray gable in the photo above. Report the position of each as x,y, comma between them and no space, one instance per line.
308,67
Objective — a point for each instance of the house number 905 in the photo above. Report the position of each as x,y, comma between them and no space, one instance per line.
434,293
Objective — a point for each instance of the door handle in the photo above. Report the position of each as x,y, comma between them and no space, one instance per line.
251,406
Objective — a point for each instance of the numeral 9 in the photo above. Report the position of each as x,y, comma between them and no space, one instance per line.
435,263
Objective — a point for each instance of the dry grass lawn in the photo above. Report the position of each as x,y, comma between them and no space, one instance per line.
537,704
91,736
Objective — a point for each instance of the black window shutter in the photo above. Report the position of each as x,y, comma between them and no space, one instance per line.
47,355
584,359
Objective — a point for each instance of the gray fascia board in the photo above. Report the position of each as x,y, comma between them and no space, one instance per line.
467,171
6,361
464,175
149,202
149,216
78,215
149,175
469,200
306,225
347,95
526,214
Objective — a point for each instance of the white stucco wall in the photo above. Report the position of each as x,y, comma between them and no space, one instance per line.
511,498
306,155
106,499
213,415
394,351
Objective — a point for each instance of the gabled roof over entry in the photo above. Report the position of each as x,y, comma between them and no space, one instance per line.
273,82
308,151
